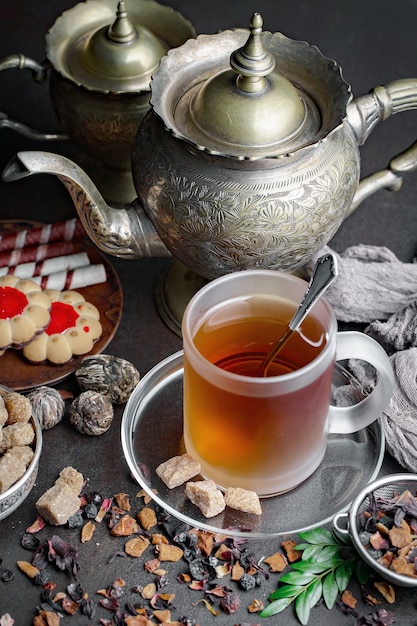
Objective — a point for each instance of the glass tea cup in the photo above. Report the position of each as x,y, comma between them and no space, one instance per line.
267,433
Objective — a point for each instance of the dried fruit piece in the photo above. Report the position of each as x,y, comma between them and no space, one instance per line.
126,525
27,568
87,531
289,548
136,546
147,518
386,590
277,562
122,501
167,552
348,599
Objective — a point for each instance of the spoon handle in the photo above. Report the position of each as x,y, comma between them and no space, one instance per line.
325,271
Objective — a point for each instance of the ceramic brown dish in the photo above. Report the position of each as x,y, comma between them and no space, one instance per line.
19,374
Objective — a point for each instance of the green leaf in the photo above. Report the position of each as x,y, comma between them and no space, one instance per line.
297,578
362,572
286,591
329,553
311,552
275,607
315,591
320,536
303,607
342,575
330,590
310,566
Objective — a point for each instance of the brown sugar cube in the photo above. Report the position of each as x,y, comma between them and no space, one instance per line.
243,500
72,477
205,495
177,470
58,504
23,453
19,408
3,412
19,434
11,469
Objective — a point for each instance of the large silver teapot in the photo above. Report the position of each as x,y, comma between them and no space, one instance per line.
248,158
100,56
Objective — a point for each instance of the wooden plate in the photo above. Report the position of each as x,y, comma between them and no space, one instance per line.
16,372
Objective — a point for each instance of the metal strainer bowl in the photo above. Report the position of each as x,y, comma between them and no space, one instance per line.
349,523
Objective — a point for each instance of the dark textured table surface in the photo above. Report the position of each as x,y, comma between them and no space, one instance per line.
375,43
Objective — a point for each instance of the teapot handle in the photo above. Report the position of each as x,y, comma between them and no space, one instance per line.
19,61
390,178
363,114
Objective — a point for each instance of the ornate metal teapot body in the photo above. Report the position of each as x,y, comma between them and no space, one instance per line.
239,167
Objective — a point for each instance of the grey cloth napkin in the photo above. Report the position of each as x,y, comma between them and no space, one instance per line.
372,284
374,287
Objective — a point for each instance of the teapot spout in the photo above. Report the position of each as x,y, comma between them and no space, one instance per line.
123,232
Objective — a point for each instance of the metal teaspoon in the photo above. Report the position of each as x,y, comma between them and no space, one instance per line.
324,273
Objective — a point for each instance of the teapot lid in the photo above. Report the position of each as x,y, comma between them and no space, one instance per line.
113,51
234,101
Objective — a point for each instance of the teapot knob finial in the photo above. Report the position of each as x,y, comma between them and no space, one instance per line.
252,62
122,29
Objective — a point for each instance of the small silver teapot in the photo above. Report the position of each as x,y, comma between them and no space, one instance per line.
248,158
101,55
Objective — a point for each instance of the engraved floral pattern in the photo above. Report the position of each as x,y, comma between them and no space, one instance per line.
216,225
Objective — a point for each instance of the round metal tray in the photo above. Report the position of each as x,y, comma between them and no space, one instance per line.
152,427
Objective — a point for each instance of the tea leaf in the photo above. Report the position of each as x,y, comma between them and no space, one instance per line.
342,575
277,606
330,590
297,578
311,552
286,591
362,572
302,607
315,591
310,566
329,553
320,536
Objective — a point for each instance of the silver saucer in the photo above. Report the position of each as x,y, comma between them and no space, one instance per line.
152,433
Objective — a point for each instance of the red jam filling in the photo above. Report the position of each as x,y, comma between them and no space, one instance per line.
63,316
12,302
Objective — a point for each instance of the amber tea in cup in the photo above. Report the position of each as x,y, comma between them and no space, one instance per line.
267,434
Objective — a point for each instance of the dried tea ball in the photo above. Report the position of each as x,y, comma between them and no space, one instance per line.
109,375
91,413
48,406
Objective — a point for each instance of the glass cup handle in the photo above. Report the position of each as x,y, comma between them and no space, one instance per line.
350,419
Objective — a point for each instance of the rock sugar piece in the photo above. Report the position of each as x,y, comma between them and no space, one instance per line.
178,470
243,500
205,495
13,465
61,501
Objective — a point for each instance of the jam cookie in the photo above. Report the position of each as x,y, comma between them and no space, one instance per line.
73,329
24,311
